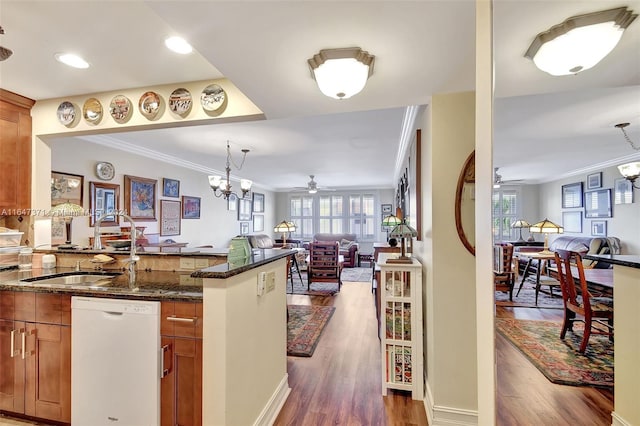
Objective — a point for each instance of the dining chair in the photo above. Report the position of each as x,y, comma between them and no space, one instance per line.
579,304
504,276
324,263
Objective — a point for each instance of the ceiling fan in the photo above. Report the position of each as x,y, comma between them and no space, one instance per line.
312,186
4,52
497,179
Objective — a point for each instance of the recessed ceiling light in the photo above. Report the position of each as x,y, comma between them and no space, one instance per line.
71,60
178,45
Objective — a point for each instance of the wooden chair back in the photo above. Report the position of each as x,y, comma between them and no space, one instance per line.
324,263
579,301
503,273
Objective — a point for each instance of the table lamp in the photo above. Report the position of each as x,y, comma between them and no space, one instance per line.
519,224
402,231
390,222
67,211
546,227
285,227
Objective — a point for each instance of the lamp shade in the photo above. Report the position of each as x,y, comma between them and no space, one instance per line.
341,73
391,221
285,226
403,231
580,42
520,223
67,209
546,227
630,170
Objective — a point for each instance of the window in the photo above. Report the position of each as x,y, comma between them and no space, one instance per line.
335,213
505,212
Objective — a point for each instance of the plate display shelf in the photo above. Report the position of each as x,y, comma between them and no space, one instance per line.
401,331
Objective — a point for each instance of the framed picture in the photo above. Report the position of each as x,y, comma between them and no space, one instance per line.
594,181
572,195
170,188
258,223
103,197
386,209
232,203
190,207
599,228
258,203
169,217
597,203
244,228
140,197
244,209
623,191
572,221
66,187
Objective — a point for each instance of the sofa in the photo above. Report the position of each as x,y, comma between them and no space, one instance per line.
348,246
582,245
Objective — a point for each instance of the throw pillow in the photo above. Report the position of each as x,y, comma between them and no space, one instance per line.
345,244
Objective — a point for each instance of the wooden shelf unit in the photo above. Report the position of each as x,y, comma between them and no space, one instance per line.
401,331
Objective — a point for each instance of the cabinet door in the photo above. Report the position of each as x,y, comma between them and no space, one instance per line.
48,372
181,389
11,366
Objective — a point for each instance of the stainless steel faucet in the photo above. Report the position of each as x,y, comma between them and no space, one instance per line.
133,257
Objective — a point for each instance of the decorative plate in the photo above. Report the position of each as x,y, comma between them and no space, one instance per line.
180,101
92,111
149,104
66,113
120,108
105,171
212,97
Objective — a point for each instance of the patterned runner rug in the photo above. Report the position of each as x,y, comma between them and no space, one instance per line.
559,360
305,327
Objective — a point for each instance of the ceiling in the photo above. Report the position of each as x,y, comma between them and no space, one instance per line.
545,127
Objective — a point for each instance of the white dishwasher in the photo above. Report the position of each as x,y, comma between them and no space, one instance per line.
115,362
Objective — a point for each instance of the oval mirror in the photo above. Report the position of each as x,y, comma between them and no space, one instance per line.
466,204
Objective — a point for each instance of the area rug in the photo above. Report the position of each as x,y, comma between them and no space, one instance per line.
527,297
559,360
304,328
326,289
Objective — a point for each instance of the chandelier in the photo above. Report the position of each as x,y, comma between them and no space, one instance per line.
222,187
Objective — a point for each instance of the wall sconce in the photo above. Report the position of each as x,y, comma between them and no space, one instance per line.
341,73
222,187
580,42
546,227
631,172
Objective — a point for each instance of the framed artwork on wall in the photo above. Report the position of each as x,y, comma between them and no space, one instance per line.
244,209
190,207
258,223
232,203
169,217
386,209
594,181
103,197
140,198
244,228
599,228
258,203
623,191
572,195
572,221
597,203
66,187
170,188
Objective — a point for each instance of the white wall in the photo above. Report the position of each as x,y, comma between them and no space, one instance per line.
625,220
216,225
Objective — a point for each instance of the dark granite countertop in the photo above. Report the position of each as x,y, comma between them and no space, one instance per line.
196,251
258,257
150,285
630,260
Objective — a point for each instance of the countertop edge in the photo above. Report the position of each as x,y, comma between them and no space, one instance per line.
258,258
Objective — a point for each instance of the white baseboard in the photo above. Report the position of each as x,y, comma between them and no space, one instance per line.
270,411
444,416
618,421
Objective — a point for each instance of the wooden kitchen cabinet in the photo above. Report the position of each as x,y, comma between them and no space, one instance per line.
15,153
181,386
36,375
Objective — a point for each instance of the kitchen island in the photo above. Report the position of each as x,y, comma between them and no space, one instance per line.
226,322
626,323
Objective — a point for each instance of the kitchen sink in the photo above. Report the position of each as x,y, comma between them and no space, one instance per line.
71,279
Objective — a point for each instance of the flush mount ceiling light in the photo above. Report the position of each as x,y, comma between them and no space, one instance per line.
580,42
71,60
341,73
178,45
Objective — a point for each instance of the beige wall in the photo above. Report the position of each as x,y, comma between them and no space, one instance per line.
448,127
